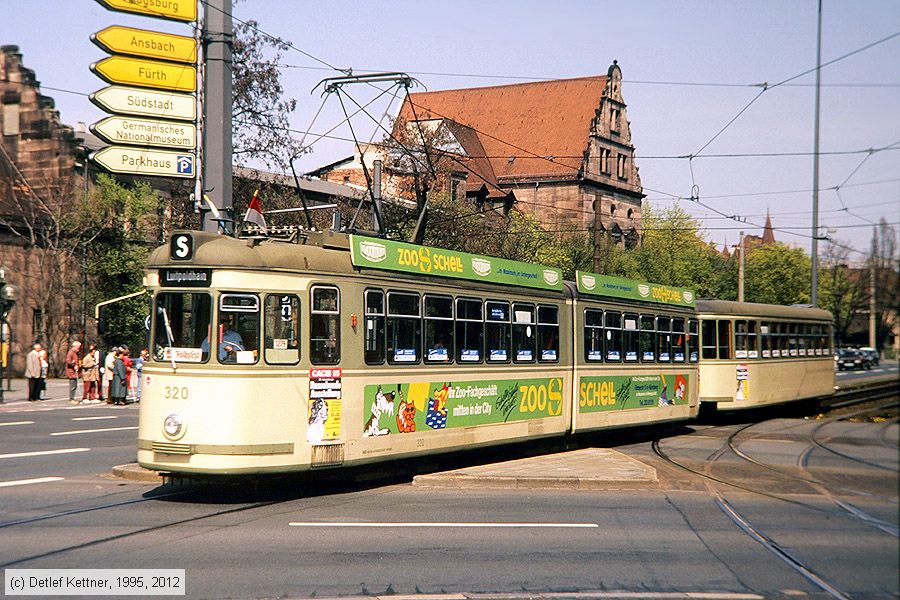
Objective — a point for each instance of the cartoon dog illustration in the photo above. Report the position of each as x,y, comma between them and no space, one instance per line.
383,404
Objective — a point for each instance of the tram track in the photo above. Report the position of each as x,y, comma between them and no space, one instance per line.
755,533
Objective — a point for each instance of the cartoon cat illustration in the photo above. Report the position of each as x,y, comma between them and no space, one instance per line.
406,415
384,403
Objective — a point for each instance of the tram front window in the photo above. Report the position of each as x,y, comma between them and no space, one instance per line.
238,329
181,324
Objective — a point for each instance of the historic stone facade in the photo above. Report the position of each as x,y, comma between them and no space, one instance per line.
560,149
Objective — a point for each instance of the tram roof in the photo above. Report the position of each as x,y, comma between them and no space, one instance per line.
755,309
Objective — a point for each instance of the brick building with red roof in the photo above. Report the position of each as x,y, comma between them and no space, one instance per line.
560,150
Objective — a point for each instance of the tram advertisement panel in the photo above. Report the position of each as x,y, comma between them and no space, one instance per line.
426,406
597,394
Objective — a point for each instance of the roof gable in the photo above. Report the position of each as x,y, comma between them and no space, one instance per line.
549,119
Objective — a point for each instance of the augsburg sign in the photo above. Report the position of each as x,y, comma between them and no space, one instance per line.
618,287
391,255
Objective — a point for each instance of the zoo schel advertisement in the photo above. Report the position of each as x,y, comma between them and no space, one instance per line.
427,406
632,391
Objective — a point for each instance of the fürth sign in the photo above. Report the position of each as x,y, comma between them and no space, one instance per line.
147,73
178,10
150,44
140,161
146,132
146,103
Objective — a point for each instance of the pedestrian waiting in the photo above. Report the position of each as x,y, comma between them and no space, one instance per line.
90,375
73,367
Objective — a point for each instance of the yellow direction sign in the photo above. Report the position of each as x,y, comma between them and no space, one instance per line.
146,103
152,44
179,10
146,132
147,73
139,161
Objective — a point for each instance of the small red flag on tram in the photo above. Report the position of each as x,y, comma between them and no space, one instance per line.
254,213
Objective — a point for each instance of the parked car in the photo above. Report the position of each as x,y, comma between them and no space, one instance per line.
852,359
872,354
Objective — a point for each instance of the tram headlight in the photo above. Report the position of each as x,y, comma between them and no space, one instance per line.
173,426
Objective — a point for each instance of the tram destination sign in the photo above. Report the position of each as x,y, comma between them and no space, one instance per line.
143,161
391,255
185,277
146,103
593,284
146,132
147,73
149,44
178,10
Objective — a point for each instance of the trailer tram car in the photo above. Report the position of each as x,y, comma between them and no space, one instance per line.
758,354
327,349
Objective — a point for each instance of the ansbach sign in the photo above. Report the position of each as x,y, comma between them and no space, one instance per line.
141,161
150,44
146,103
146,132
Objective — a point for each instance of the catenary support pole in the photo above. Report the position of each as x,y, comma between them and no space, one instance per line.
814,297
741,269
217,148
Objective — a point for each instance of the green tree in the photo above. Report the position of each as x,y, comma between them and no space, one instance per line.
674,252
884,264
122,220
777,274
841,290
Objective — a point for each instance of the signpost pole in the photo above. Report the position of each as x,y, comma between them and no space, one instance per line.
198,179
217,148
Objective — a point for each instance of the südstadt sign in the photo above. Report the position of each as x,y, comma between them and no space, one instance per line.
149,44
141,161
146,132
147,73
178,10
146,103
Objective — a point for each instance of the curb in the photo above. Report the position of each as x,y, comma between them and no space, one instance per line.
135,472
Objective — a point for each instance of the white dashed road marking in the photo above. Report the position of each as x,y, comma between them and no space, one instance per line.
29,481
93,418
16,423
92,430
44,452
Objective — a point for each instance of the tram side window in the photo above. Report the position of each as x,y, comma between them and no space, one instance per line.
724,339
282,329
648,338
497,331
324,325
765,339
613,323
778,340
238,329
523,333
708,338
693,340
752,339
548,333
793,338
679,340
182,327
664,339
593,335
469,330
740,339
404,328
829,348
803,336
631,338
438,329
374,326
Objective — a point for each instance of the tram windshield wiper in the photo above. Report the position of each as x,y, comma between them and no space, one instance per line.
169,337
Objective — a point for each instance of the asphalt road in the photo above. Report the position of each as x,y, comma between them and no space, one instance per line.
884,369
831,509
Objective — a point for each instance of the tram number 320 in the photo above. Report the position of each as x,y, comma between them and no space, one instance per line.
173,392
541,398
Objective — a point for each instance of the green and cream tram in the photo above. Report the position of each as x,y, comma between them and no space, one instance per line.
757,354
330,349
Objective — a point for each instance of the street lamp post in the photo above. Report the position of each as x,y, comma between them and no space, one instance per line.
8,294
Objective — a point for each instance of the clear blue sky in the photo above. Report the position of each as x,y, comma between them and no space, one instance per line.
730,42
